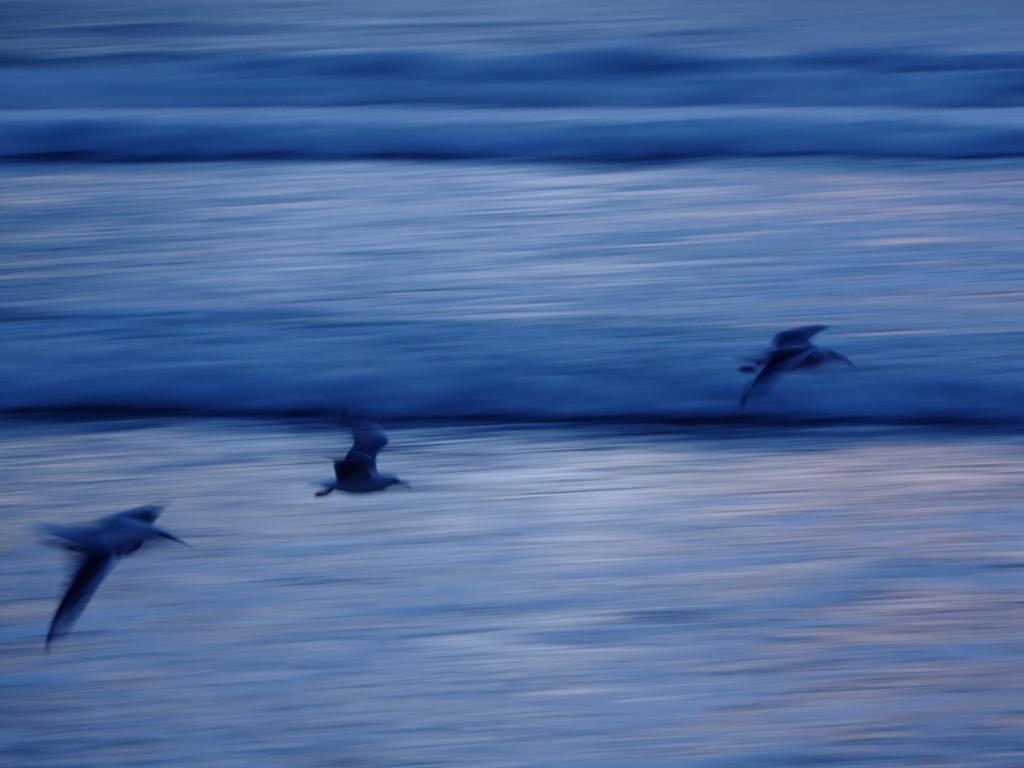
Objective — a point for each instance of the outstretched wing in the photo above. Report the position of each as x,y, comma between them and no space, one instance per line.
75,538
780,362
367,438
827,354
148,513
91,572
354,467
767,374
797,337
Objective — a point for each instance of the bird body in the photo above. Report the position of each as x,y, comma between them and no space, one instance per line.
99,548
790,350
357,472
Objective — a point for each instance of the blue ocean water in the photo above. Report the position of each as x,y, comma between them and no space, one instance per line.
543,596
583,82
475,291
508,212
226,223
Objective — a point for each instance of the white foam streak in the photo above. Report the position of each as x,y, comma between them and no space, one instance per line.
615,105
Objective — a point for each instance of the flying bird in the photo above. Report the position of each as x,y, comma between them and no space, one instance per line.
357,472
99,547
789,351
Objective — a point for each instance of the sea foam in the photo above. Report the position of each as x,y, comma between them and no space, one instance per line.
594,105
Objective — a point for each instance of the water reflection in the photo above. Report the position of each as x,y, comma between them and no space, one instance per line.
544,594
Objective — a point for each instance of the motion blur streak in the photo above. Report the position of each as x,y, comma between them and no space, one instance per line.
534,241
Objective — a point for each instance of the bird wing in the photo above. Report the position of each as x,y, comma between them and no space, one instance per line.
833,355
148,513
73,537
98,535
91,572
790,358
797,337
766,374
367,437
781,361
124,535
354,466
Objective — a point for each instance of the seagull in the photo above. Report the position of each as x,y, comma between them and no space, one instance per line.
789,351
357,472
99,547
